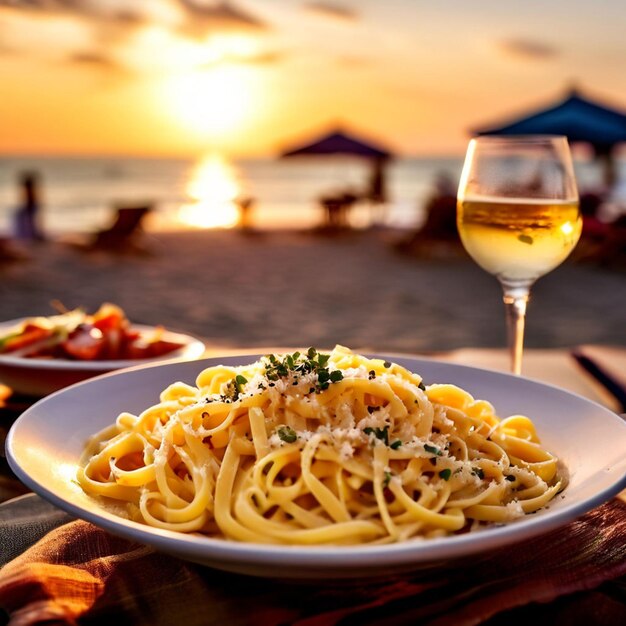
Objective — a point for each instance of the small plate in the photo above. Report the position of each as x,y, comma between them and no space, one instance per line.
39,377
45,444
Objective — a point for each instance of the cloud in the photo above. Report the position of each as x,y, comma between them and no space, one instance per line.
202,19
197,15
95,59
25,4
103,31
532,50
68,7
99,15
265,58
333,10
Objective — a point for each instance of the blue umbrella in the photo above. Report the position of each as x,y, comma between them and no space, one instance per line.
579,119
576,117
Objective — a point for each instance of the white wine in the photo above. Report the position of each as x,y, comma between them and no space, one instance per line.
518,239
518,216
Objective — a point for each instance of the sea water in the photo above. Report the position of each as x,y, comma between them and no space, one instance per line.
78,194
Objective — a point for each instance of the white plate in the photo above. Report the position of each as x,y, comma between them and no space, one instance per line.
39,377
45,443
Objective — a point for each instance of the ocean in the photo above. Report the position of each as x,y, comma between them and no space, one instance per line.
78,194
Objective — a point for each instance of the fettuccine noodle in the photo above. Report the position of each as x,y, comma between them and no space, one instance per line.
320,449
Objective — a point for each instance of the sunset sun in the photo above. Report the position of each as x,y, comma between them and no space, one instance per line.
210,103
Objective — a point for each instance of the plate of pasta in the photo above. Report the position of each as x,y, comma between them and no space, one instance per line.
320,464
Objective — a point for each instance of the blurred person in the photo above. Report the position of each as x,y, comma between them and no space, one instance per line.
614,205
376,192
27,214
377,183
440,209
438,233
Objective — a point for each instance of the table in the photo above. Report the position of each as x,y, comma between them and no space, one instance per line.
388,601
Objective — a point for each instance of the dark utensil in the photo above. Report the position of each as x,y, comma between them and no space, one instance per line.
614,387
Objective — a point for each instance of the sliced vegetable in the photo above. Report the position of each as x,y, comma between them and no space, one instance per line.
75,335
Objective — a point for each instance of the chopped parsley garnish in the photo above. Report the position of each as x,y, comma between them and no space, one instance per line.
379,433
445,474
510,478
396,444
371,374
387,364
477,471
525,239
287,434
386,480
422,386
276,369
234,389
433,449
302,364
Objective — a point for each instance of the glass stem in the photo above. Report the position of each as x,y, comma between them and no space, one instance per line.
515,300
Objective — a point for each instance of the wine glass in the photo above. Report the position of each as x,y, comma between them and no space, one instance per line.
518,216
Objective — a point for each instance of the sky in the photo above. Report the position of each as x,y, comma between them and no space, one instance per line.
252,77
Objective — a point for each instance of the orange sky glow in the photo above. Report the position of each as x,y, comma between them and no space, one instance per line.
249,77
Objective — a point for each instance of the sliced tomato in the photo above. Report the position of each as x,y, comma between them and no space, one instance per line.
86,343
110,316
109,322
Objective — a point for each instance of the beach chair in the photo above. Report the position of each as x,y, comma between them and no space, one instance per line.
124,234
336,208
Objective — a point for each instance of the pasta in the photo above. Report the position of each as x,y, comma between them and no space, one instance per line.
311,448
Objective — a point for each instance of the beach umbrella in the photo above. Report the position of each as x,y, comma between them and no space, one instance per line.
578,118
339,142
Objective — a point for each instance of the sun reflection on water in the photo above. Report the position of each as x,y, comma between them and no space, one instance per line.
214,188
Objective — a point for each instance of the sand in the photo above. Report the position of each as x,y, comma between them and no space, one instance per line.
300,289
